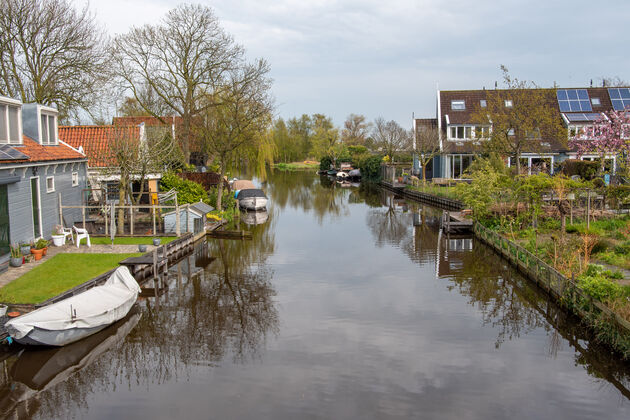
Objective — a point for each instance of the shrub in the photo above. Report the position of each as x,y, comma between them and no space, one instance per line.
187,191
371,168
325,162
583,168
596,283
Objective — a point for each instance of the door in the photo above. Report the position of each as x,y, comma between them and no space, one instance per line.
4,220
37,213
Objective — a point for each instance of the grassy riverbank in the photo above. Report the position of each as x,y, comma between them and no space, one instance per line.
62,272
296,166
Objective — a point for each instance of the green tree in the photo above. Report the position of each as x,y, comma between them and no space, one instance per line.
523,118
325,137
238,127
301,132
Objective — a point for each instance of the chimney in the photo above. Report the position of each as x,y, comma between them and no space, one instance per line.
591,82
495,84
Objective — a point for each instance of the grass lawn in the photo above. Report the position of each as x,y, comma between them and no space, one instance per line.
296,166
58,274
438,190
123,240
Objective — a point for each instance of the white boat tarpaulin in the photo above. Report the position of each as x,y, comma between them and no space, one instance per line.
100,305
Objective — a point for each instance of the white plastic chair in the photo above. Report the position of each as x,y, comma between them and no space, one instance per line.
82,233
67,233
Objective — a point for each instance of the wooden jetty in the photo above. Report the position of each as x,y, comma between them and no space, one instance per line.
433,200
230,234
456,222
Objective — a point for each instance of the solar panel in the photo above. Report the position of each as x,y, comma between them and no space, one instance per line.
583,117
9,153
620,98
573,100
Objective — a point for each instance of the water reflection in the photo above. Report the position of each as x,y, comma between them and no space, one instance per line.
505,299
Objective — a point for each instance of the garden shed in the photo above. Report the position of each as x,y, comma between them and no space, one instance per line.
192,218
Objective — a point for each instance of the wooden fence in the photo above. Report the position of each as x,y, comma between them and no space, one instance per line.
563,289
102,214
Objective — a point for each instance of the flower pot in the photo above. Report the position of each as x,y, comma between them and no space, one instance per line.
156,242
142,248
45,249
26,249
58,240
16,262
37,253
3,310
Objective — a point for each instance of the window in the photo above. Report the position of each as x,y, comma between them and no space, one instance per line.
511,132
50,184
75,179
49,133
10,124
595,101
508,103
458,105
482,132
483,103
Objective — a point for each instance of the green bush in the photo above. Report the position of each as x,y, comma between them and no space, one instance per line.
325,163
583,168
600,287
187,191
371,168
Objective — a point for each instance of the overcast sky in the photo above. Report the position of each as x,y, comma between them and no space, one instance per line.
386,57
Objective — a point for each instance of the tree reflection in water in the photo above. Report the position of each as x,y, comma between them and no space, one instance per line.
505,299
225,311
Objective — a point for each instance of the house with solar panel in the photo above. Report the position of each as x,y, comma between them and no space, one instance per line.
462,136
36,169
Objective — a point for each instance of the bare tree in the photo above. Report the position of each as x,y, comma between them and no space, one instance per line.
133,154
427,146
237,126
52,54
183,60
390,137
355,130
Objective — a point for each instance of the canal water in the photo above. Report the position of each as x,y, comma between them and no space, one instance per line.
347,303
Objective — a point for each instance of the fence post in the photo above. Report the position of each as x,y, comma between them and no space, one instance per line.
154,222
588,209
177,219
60,211
106,227
131,219
83,211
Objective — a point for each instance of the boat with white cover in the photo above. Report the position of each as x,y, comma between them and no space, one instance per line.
252,199
79,316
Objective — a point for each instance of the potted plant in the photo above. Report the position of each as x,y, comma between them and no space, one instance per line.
25,248
58,238
38,248
156,241
142,248
16,256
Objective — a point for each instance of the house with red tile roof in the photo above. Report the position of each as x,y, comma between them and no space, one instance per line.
462,136
95,142
37,169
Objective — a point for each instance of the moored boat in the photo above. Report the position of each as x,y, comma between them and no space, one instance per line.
79,316
252,199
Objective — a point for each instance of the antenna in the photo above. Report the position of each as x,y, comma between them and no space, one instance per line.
495,84
591,82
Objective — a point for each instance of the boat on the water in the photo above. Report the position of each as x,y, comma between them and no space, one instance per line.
252,199
332,172
354,174
79,316
342,175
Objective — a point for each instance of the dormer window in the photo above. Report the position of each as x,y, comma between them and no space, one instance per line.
483,103
458,105
10,124
48,128
508,103
595,101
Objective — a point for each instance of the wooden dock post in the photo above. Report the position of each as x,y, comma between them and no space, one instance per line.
106,224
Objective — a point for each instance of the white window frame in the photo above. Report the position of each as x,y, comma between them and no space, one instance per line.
50,189
468,131
483,103
458,105
8,103
75,179
47,128
596,102
508,103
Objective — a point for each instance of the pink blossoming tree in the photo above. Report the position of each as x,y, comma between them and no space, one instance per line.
608,135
